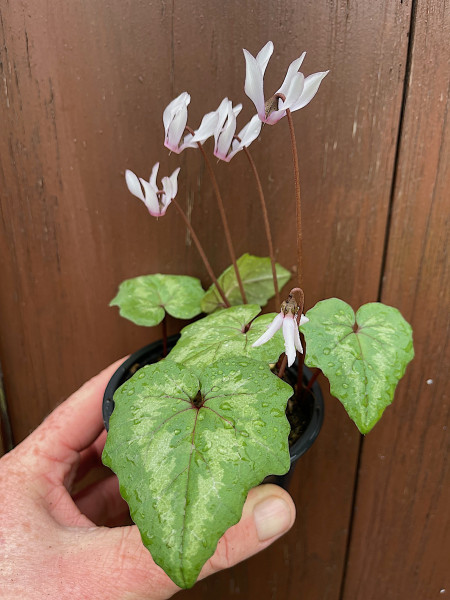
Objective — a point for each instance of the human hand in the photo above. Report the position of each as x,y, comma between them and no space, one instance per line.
50,544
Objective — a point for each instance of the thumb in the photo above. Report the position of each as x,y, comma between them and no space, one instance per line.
268,513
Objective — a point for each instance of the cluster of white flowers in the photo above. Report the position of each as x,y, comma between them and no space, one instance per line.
295,93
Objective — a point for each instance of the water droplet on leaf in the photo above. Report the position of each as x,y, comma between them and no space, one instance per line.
276,412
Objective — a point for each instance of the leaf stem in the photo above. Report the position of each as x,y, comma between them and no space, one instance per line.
223,216
266,224
298,204
201,252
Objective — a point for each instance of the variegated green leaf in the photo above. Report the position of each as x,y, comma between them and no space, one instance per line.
145,299
187,450
225,333
363,356
257,278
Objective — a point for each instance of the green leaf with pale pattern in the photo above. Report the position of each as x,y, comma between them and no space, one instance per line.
145,300
225,333
364,355
185,471
257,279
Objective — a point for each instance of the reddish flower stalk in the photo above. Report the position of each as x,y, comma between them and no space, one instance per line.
266,224
283,367
223,216
313,380
298,204
202,253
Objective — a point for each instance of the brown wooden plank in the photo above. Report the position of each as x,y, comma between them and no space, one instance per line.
401,542
84,89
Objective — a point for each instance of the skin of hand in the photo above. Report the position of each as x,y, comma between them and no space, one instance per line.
50,543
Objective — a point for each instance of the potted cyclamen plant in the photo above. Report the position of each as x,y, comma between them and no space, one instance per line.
193,432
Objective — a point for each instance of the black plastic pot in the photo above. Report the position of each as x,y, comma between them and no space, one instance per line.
153,353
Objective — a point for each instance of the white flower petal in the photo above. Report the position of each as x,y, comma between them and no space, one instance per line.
237,109
151,199
290,74
176,129
250,132
275,116
289,326
271,330
223,141
163,209
222,114
312,83
206,129
172,108
303,320
153,176
297,340
133,184
295,91
254,82
174,182
187,143
264,55
167,187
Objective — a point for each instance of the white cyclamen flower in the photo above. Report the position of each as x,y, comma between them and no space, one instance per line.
155,200
295,93
226,144
175,118
291,334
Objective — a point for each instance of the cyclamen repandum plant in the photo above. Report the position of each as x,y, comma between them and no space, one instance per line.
192,433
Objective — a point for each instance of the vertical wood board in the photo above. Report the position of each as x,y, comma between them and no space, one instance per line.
403,499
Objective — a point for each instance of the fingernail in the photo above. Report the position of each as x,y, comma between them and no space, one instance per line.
272,517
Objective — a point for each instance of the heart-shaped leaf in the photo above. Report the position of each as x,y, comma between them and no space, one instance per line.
257,278
363,356
144,300
187,451
229,332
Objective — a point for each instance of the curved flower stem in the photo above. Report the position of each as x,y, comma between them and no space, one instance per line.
224,221
301,304
266,224
202,253
298,204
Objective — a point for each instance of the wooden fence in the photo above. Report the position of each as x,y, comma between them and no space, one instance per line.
83,87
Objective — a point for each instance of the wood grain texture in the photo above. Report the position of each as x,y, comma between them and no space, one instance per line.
403,499
84,87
